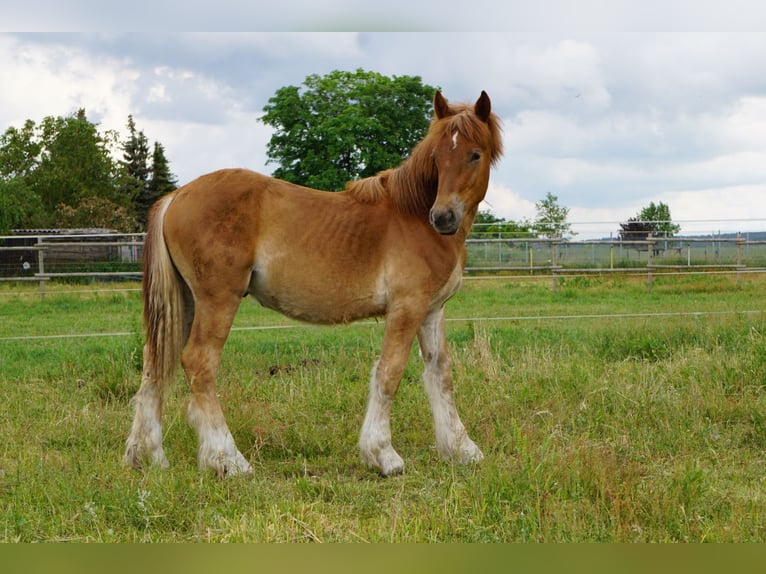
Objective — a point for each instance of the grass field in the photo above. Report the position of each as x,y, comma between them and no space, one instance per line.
605,413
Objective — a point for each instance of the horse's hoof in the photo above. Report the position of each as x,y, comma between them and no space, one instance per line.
232,466
387,462
470,453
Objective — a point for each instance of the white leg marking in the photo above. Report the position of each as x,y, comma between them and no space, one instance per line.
375,438
452,440
144,443
217,449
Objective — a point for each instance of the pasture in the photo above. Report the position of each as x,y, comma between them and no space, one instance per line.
605,413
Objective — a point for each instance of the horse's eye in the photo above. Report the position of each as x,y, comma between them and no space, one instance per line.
475,155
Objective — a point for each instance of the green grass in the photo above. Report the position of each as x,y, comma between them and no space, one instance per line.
640,428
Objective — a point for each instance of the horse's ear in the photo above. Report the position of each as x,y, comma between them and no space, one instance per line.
483,106
441,107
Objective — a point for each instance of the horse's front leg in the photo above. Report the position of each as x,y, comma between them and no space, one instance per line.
375,438
452,440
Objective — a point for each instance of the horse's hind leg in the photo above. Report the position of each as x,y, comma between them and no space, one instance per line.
201,357
452,440
144,443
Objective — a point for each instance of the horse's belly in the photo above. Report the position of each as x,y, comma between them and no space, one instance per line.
316,299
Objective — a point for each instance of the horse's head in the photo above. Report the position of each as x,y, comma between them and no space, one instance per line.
467,144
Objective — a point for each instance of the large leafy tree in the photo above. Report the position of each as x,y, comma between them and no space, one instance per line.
19,206
345,125
19,151
19,155
75,162
58,162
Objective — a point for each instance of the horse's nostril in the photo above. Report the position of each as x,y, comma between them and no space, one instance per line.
444,221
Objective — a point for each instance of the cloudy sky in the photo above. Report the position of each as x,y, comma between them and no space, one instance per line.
607,109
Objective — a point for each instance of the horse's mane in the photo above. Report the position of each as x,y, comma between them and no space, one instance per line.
412,186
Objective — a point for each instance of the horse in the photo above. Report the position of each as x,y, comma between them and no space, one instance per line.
391,245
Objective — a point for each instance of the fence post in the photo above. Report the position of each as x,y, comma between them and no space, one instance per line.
554,262
739,256
41,265
649,261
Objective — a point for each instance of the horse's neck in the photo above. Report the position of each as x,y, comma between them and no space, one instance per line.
467,223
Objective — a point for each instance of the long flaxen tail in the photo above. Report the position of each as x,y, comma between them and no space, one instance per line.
163,291
163,294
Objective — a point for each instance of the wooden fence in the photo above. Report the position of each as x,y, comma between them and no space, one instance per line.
70,256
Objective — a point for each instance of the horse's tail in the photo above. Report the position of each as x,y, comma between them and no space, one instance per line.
163,294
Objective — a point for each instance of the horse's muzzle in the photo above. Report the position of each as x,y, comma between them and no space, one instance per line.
445,221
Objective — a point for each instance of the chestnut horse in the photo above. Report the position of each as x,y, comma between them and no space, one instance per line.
391,245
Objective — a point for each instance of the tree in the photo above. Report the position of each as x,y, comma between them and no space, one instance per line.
659,216
75,163
653,219
144,179
58,161
19,206
19,151
19,155
488,225
161,182
50,172
344,126
551,219
135,163
97,212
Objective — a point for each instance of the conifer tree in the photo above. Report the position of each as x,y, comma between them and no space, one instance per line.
135,163
161,181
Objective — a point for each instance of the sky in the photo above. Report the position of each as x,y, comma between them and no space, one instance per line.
606,106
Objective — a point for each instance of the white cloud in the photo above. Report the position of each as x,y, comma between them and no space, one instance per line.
158,93
544,131
566,70
39,81
196,148
735,208
504,202
743,124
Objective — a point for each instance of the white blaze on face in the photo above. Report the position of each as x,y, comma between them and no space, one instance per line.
454,140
